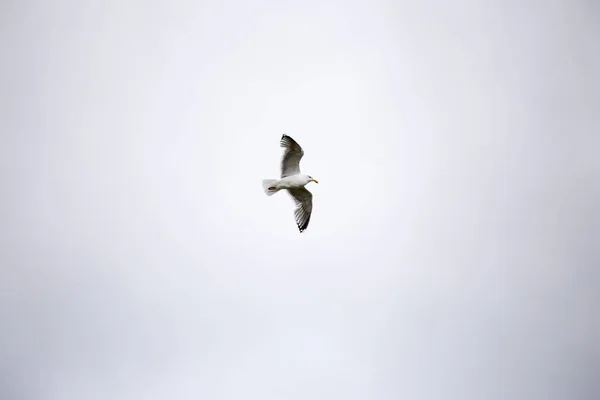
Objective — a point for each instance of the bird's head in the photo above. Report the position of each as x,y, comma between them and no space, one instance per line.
311,179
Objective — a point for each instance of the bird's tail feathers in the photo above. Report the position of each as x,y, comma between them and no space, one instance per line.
269,186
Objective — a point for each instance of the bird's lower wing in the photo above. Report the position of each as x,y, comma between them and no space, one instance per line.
303,199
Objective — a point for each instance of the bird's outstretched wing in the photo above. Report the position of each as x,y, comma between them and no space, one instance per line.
303,199
290,162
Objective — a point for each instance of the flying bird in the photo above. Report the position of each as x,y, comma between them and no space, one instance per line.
293,181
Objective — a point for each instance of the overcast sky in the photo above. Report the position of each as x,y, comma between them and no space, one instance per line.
454,247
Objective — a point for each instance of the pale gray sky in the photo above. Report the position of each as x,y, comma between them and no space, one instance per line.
453,251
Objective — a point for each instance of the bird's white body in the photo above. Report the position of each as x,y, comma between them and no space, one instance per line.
292,182
298,181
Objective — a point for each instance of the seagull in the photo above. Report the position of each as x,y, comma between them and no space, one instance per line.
293,181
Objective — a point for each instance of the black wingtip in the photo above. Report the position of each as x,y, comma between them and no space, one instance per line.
286,141
302,227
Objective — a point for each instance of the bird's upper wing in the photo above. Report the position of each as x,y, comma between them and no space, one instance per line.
303,199
290,162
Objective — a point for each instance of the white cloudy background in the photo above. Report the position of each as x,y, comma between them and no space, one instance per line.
454,247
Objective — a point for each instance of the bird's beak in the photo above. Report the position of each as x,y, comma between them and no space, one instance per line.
315,181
